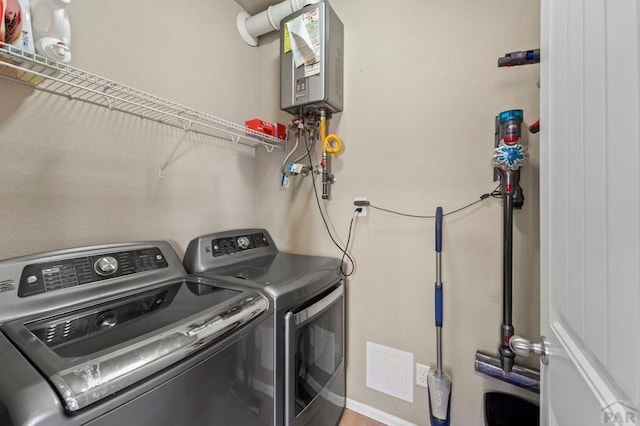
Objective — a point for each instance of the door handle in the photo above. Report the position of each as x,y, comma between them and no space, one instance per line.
524,347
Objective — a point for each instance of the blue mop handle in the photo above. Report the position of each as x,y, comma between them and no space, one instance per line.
438,295
438,229
438,305
439,384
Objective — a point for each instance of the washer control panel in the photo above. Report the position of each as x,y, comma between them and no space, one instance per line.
238,243
44,277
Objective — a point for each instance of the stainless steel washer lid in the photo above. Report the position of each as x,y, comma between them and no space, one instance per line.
126,339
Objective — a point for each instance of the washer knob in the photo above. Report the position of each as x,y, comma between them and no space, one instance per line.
243,243
105,266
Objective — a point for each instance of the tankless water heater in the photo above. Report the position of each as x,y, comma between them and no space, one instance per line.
312,61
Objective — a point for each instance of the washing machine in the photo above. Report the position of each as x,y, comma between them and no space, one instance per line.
118,334
307,293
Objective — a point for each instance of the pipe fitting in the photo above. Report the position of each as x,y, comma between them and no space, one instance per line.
252,27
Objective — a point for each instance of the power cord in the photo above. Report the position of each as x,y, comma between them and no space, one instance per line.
363,203
346,247
494,193
324,220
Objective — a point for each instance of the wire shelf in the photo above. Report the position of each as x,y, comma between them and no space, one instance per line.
64,80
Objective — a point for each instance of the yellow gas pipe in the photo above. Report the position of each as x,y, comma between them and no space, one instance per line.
327,146
331,145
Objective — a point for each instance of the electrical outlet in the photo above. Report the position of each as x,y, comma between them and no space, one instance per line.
422,373
364,208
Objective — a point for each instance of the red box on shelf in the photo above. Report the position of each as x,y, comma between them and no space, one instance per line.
276,130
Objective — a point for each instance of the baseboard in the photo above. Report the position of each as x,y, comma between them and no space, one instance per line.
375,414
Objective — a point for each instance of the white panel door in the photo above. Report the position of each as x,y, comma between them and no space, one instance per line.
590,211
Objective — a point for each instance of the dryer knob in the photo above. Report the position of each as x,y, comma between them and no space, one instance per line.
243,243
105,266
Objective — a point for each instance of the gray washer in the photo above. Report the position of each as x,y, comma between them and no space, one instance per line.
177,349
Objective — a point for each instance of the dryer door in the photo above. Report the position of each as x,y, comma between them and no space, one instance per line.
314,357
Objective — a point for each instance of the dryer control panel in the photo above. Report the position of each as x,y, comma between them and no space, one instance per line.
225,248
45,277
237,243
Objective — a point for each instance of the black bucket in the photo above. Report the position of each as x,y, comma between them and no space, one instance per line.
503,409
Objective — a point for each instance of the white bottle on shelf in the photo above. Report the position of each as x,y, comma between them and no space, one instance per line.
2,7
51,29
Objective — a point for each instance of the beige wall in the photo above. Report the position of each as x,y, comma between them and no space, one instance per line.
75,174
421,92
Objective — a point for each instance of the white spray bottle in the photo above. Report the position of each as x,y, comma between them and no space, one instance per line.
2,7
51,29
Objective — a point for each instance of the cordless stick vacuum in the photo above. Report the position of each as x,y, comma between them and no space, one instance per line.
439,384
508,157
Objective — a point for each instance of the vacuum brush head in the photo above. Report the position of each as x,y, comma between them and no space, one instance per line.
523,377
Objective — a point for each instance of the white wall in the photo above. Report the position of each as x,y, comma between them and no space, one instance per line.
75,174
421,92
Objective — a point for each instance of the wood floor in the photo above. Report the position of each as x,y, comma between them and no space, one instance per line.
351,418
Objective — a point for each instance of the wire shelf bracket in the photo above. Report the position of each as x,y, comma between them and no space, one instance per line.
187,128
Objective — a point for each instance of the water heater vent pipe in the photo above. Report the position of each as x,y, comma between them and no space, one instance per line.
252,27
